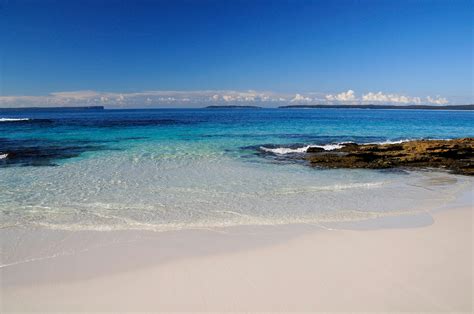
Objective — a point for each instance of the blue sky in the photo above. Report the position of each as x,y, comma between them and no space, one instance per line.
123,53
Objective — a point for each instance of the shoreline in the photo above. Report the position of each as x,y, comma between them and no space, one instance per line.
257,268
37,237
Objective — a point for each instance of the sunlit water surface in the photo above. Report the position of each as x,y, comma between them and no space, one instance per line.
180,169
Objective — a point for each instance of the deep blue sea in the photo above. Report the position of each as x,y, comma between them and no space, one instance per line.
168,169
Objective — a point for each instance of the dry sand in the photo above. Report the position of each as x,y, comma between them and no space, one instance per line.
285,268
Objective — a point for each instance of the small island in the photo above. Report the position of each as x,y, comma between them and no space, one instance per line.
72,108
371,106
232,107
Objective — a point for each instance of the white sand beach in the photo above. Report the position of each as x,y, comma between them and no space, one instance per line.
285,268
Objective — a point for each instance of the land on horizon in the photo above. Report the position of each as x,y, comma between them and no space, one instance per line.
424,107
53,108
233,107
370,106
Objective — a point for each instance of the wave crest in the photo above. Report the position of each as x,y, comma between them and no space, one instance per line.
284,150
13,119
299,150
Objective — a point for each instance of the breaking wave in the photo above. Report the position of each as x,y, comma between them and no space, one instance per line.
391,142
13,119
298,150
284,150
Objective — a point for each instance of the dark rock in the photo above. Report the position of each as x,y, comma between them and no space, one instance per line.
313,149
455,155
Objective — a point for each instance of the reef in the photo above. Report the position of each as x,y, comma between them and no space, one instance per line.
454,155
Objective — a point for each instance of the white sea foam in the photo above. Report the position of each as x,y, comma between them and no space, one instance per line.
327,147
300,150
330,146
3,156
332,188
285,150
408,140
13,119
391,142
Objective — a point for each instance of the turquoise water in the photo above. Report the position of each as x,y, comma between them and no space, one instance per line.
204,168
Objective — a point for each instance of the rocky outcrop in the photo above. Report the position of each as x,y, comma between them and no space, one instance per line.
454,155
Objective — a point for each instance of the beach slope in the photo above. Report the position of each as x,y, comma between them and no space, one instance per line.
411,269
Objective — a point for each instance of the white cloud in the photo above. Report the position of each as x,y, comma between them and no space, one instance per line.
389,98
205,97
348,96
401,99
85,94
141,99
300,98
438,100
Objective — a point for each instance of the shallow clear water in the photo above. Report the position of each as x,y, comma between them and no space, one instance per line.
204,168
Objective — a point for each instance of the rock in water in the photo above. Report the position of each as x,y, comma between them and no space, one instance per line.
454,155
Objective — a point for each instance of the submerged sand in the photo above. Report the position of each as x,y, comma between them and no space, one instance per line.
284,268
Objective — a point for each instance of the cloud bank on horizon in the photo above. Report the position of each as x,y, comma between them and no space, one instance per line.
210,97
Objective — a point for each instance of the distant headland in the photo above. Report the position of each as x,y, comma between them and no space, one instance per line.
232,107
94,108
417,107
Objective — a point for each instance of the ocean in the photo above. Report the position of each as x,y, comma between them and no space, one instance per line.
172,169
